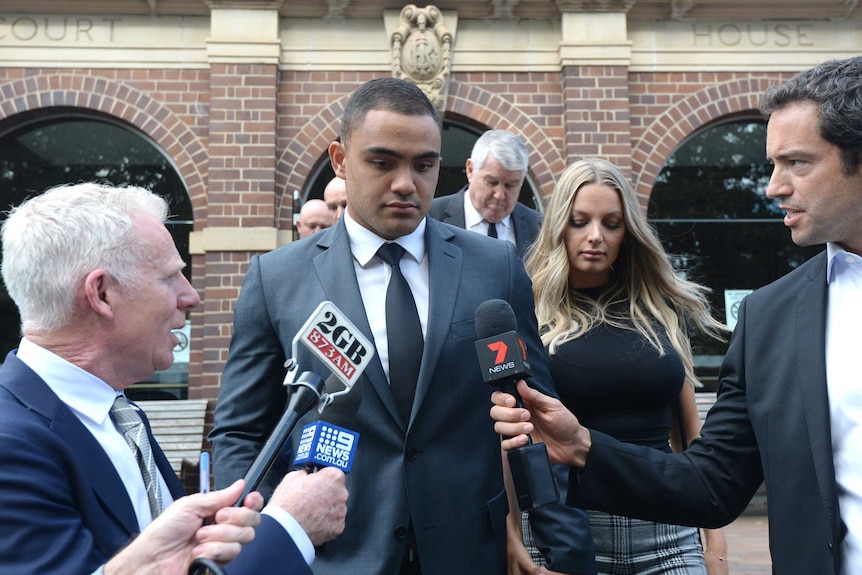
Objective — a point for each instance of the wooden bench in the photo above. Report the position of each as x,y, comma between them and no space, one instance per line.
178,426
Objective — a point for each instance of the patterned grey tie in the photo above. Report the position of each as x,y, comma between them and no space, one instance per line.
130,424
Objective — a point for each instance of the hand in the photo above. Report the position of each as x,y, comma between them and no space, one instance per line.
546,419
176,537
318,501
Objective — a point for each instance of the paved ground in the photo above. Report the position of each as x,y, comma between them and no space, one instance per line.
748,546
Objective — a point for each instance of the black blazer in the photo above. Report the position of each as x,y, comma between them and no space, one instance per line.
770,421
525,221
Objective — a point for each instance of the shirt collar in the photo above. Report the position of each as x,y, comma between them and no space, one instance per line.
364,243
82,391
835,255
473,218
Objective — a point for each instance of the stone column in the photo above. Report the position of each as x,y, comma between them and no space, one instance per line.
595,55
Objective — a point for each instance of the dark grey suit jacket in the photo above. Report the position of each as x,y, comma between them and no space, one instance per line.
770,420
443,472
525,221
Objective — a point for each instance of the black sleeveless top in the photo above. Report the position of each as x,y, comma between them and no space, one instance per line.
614,381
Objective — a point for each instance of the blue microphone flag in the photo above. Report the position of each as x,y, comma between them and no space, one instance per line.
326,445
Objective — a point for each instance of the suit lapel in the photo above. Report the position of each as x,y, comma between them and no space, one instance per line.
101,475
810,334
455,210
444,273
521,231
334,267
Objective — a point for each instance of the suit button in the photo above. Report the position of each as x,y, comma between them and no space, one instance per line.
400,532
412,453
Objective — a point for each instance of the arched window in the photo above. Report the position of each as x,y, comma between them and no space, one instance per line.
710,208
39,151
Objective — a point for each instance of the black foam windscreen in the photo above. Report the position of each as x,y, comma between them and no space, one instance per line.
494,317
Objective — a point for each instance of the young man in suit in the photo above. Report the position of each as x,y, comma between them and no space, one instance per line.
99,286
488,204
426,488
789,407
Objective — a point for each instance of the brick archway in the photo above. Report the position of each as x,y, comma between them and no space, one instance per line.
123,102
301,155
546,160
679,121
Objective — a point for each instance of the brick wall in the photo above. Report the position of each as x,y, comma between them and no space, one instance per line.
243,137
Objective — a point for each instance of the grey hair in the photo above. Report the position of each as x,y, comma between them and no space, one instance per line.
52,241
506,147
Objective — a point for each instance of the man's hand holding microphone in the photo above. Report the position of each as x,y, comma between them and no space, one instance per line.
544,418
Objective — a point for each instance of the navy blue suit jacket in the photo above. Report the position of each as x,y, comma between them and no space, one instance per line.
63,508
525,221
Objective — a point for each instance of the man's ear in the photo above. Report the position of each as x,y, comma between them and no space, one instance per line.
99,290
337,156
469,169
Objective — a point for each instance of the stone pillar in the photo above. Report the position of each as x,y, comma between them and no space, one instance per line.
243,51
595,55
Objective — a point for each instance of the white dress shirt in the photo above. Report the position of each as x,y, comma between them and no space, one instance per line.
474,222
373,274
844,383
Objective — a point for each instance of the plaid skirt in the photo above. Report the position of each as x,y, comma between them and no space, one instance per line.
627,546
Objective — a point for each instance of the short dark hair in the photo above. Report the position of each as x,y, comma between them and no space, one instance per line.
390,94
836,88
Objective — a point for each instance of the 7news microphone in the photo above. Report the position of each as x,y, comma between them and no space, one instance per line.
503,359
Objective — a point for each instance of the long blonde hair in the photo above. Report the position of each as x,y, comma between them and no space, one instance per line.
643,275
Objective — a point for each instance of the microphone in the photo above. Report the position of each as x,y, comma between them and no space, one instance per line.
331,443
503,359
304,394
343,349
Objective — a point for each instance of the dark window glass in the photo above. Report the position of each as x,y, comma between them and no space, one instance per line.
710,208
38,152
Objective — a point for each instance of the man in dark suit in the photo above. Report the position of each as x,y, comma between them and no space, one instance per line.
99,285
789,407
488,204
426,488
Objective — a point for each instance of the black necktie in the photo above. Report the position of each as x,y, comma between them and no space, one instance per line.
492,230
403,332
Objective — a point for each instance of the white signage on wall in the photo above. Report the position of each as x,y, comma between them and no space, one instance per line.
732,300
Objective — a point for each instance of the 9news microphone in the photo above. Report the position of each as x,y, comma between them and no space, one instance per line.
503,359
330,442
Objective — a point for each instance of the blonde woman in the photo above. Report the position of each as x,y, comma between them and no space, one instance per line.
615,318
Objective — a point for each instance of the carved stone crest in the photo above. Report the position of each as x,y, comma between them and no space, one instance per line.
422,51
